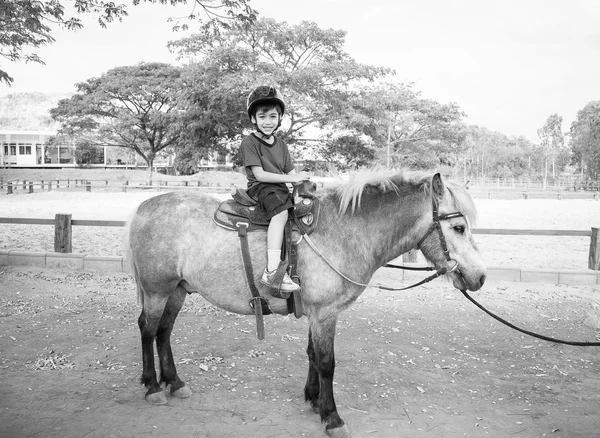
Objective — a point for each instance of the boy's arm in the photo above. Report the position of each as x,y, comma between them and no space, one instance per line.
268,177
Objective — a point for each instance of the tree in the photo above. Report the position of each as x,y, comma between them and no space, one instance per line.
486,153
135,107
347,151
307,63
552,142
26,24
87,154
405,129
585,140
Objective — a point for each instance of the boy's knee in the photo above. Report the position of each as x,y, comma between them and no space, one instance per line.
282,216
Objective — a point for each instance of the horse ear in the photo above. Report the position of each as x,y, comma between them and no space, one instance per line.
437,186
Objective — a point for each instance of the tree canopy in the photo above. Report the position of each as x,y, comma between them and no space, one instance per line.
404,129
306,62
134,107
26,25
585,140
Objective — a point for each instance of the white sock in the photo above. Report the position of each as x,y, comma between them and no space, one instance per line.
273,259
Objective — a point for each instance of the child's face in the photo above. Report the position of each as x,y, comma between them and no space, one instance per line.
267,120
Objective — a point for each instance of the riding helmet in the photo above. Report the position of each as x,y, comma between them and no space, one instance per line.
264,94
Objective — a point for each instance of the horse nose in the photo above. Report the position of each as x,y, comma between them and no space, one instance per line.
482,280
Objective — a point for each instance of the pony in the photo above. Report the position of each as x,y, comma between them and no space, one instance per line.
174,248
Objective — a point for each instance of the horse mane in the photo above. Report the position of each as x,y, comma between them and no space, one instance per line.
350,193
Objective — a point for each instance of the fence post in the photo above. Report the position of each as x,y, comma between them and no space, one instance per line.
125,184
50,185
9,187
63,233
30,186
88,186
24,184
594,258
42,183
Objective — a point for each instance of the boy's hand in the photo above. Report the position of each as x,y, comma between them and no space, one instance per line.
303,175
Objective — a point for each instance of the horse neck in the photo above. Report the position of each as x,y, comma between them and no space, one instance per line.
386,226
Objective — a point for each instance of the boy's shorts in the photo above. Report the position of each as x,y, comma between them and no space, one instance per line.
273,198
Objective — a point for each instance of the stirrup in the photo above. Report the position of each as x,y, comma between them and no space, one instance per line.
276,282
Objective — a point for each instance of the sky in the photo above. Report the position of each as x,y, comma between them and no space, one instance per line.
508,64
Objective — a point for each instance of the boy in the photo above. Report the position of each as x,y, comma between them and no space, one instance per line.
268,168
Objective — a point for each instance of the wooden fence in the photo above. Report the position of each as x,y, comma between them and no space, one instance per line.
26,186
13,186
63,232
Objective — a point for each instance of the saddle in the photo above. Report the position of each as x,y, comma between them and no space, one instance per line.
243,214
243,209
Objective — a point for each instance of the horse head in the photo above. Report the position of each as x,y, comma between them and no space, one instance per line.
449,242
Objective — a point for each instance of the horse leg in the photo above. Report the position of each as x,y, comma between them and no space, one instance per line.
168,371
322,334
148,322
311,389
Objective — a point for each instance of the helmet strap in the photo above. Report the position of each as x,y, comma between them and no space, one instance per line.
263,135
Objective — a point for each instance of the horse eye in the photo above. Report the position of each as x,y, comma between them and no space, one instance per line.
459,229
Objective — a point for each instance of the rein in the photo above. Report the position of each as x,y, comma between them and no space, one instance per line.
436,225
437,274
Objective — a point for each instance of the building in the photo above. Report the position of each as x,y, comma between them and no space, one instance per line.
31,149
28,148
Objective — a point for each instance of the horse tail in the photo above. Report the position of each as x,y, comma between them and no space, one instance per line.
129,256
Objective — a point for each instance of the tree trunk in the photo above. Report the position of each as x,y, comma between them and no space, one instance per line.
150,163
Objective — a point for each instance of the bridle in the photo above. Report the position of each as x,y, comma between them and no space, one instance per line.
436,225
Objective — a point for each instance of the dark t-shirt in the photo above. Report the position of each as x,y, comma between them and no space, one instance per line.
273,158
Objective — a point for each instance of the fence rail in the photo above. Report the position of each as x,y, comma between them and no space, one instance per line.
14,185
63,233
559,184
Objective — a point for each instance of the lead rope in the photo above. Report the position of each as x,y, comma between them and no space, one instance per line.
527,332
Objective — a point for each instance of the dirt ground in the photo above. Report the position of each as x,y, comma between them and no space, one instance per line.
422,363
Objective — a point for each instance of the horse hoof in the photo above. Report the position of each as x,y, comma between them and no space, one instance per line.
157,398
183,392
339,432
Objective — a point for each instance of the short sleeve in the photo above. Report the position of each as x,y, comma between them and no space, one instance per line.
289,164
250,155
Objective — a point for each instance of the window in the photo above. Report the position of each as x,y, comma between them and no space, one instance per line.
13,149
25,149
